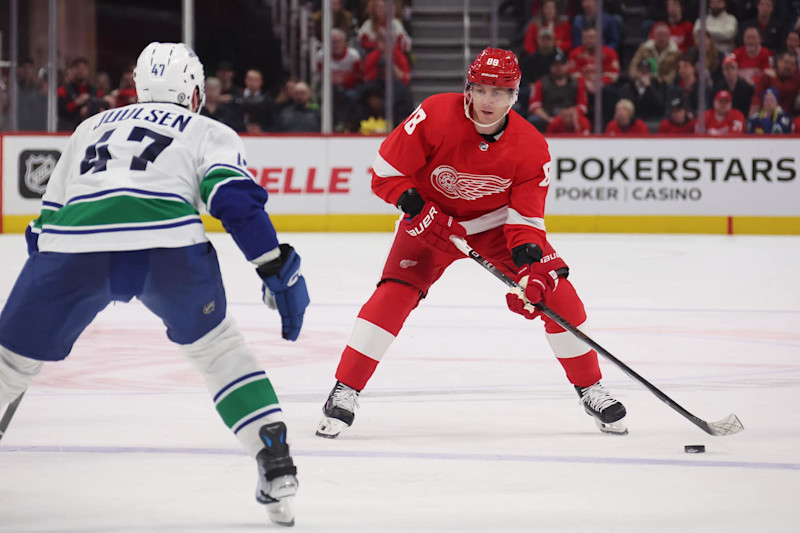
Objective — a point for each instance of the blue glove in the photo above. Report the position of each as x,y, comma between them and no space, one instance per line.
285,289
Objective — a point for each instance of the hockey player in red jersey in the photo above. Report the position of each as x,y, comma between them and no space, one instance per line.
462,164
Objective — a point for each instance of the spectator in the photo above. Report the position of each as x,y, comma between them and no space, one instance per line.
662,52
792,44
753,59
770,119
678,120
368,33
796,125
785,80
680,29
342,20
554,92
77,100
213,108
31,98
723,119
125,94
549,18
284,97
625,122
537,64
569,120
253,111
686,85
722,26
769,27
346,69
374,120
102,82
302,115
646,92
581,61
376,60
714,57
225,75
741,91
610,25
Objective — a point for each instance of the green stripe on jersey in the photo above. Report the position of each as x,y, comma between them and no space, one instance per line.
246,400
211,179
117,210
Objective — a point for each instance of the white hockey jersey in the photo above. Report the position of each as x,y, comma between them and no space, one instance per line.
136,177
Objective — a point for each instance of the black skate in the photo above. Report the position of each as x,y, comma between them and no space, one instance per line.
608,413
277,475
339,411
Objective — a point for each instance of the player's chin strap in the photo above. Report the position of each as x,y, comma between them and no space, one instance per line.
468,114
727,426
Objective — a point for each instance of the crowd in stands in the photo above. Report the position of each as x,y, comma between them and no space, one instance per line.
751,78
751,75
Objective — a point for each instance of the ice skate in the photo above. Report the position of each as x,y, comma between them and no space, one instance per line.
277,475
608,413
339,411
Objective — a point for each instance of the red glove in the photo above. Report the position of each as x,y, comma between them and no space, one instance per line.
434,228
537,281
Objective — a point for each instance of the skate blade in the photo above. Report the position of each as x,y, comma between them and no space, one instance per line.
612,428
329,428
282,512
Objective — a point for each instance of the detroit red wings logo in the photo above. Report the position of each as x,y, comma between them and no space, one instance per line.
454,184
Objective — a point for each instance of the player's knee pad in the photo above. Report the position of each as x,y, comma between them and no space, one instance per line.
16,373
221,352
565,301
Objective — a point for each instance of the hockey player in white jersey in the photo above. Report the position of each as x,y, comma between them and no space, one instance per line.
120,219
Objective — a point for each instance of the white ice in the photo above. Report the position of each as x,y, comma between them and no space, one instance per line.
468,425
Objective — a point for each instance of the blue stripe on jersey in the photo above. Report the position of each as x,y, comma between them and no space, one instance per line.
128,189
46,229
51,204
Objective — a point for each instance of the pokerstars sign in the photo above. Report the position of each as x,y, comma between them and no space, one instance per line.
745,176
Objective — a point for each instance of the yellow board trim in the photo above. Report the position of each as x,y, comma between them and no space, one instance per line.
555,224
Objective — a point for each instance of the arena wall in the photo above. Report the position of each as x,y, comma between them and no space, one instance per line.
742,185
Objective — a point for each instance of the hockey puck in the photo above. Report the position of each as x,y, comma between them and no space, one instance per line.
694,448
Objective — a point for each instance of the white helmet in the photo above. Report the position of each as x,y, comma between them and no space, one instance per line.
169,72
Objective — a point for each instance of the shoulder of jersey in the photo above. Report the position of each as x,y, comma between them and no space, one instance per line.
442,109
524,128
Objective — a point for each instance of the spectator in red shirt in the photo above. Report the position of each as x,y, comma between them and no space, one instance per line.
402,69
680,29
796,126
550,18
569,120
678,120
625,123
723,119
126,93
581,61
753,59
346,69
741,90
77,100
554,92
792,44
784,79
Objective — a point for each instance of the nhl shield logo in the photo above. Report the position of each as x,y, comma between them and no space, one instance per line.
35,168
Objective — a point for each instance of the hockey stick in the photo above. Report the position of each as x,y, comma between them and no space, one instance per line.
10,410
727,426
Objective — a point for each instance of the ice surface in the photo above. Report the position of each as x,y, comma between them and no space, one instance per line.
467,426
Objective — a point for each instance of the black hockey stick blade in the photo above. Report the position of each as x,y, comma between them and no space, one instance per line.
727,426
10,410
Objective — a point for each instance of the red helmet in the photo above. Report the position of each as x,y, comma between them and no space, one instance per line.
495,66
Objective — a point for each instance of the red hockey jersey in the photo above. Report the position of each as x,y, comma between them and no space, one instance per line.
482,184
731,123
